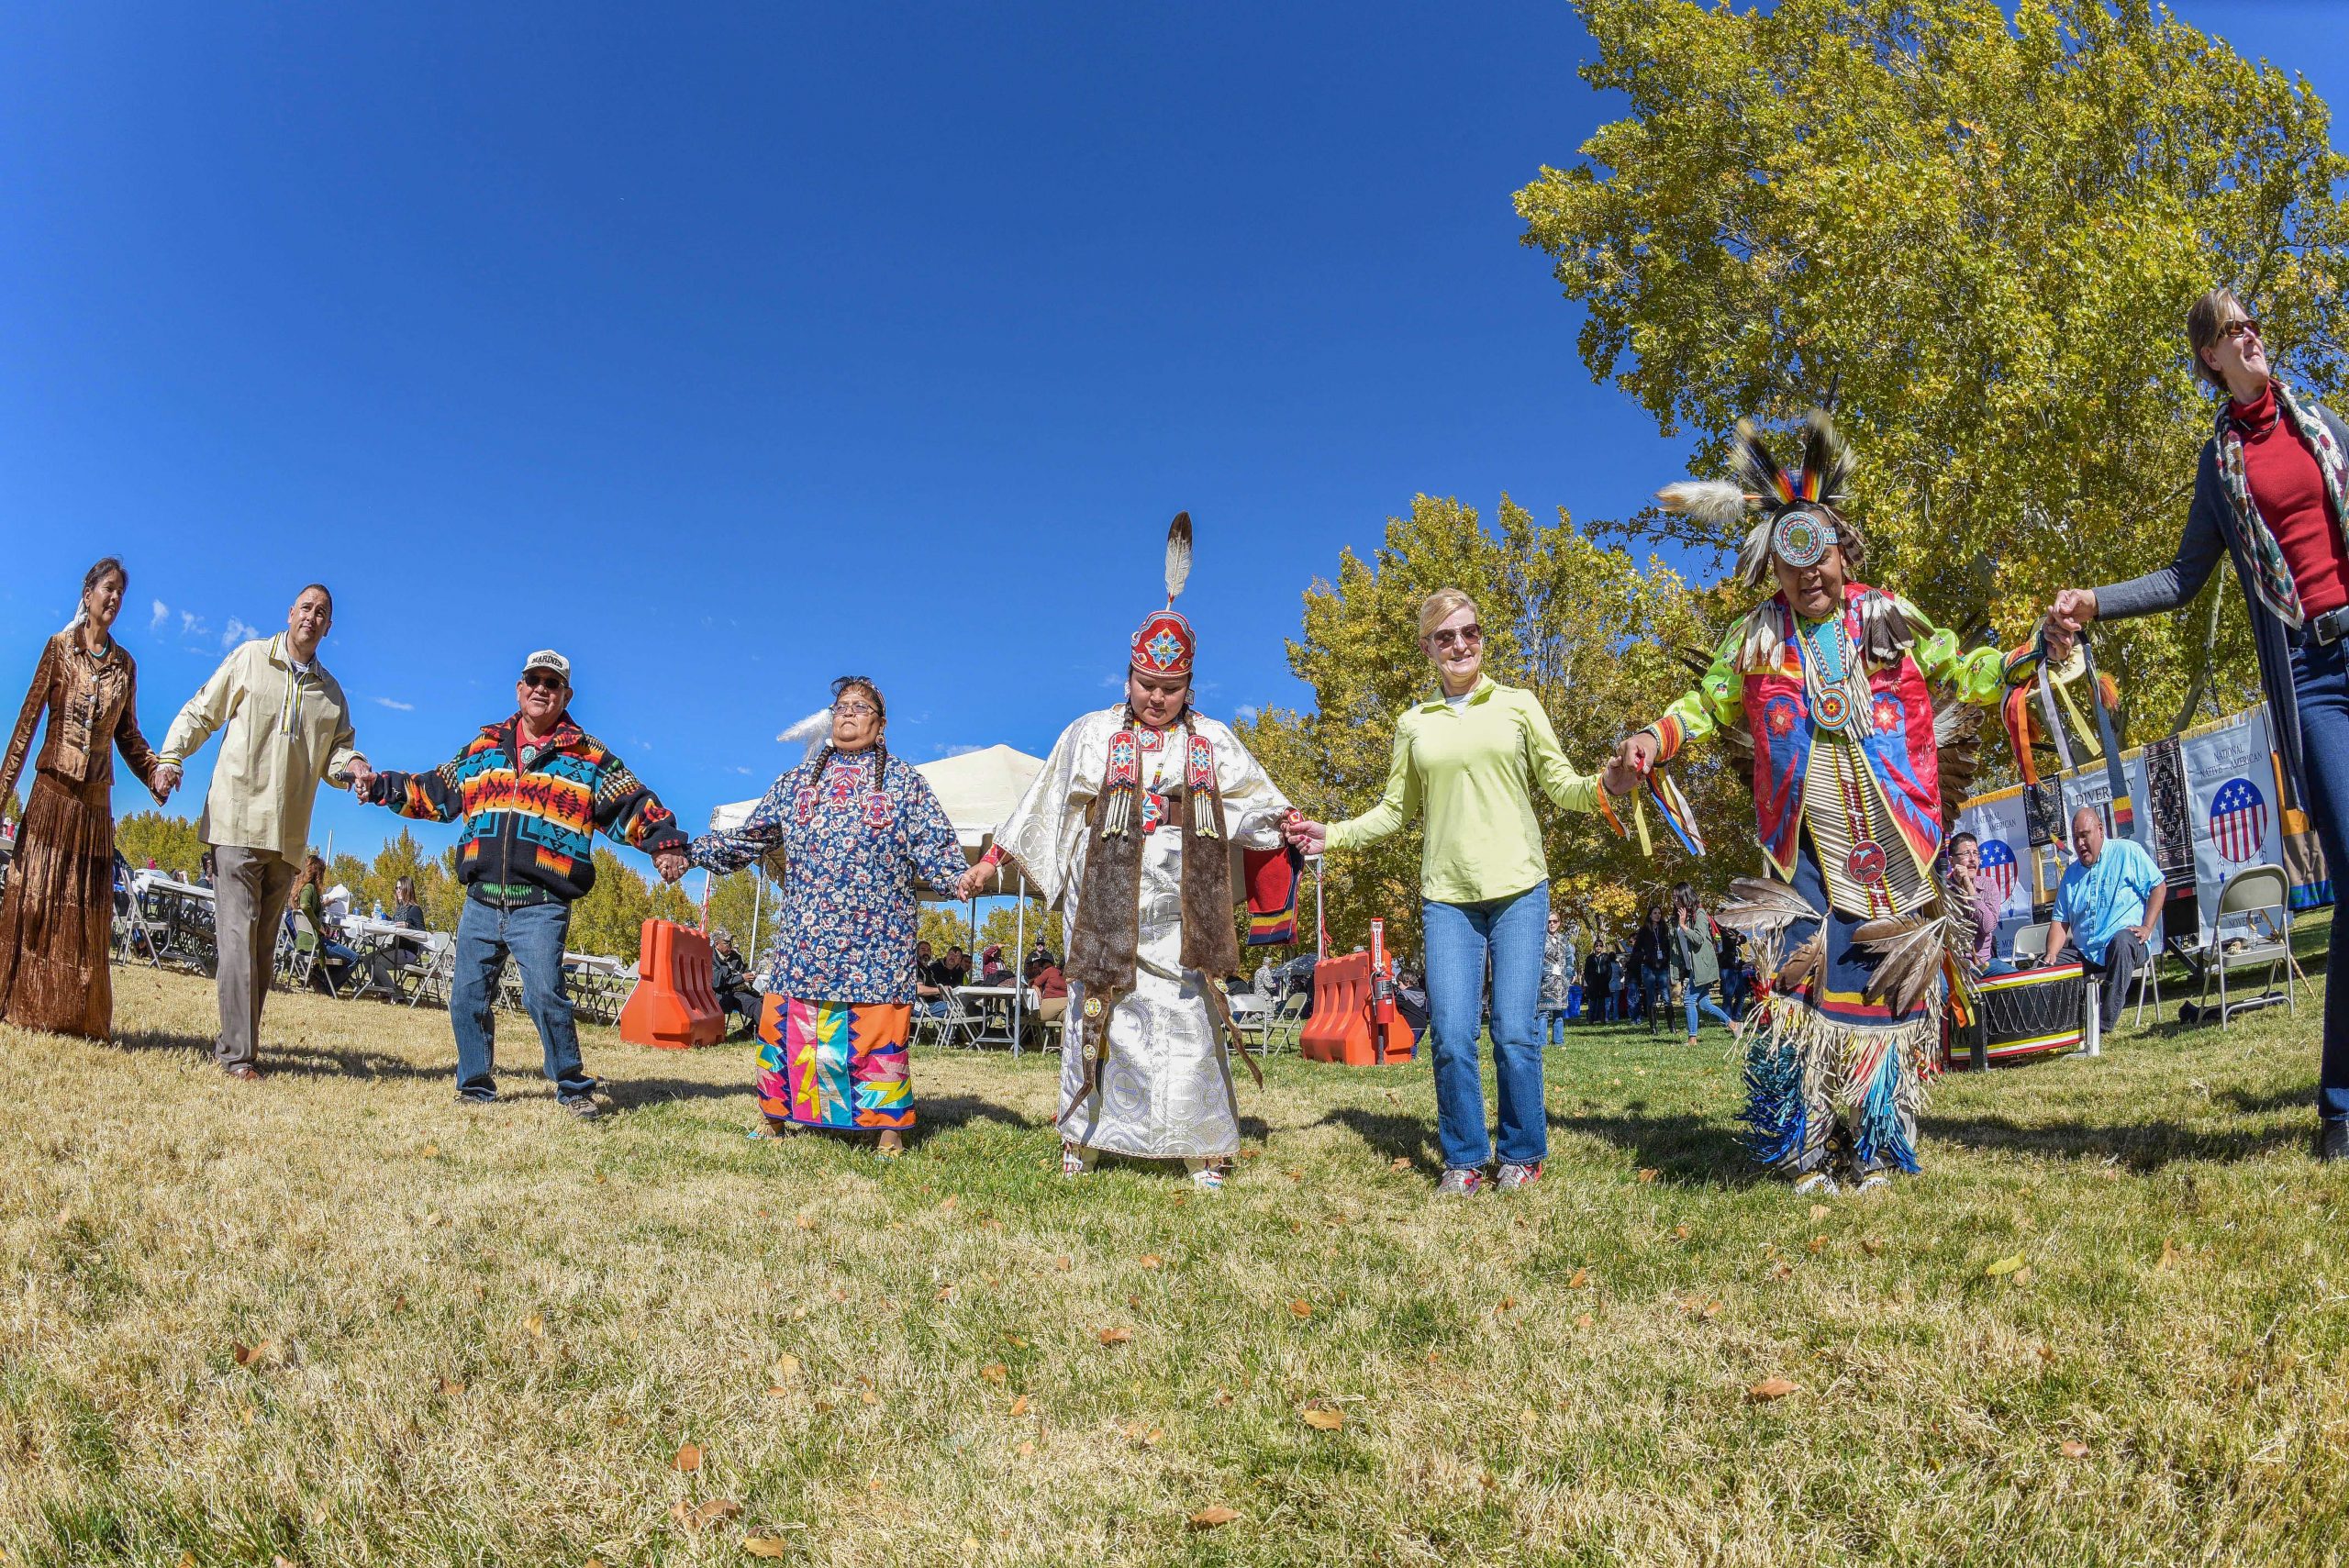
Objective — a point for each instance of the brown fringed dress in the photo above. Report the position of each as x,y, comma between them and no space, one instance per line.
58,916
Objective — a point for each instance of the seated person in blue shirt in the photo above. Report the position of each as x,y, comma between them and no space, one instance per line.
2109,906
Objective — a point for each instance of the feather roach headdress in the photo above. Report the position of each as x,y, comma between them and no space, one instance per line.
1166,644
1801,509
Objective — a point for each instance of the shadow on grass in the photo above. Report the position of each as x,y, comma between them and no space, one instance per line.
291,1060
2141,1146
1684,1147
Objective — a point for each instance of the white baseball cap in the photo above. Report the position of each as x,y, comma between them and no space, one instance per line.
548,659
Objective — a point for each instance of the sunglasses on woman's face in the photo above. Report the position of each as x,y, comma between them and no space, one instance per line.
2247,326
1467,636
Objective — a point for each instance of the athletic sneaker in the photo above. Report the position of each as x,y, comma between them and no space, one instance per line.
476,1096
1818,1182
1208,1178
1512,1177
1460,1181
1872,1182
584,1107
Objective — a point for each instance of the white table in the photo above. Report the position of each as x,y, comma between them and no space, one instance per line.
994,1005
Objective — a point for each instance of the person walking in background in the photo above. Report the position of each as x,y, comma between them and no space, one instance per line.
285,729
57,917
2271,490
533,790
1471,760
1557,980
1697,960
1734,976
1652,965
860,833
1594,983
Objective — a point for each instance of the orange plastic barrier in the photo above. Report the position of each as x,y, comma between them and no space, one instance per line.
674,1004
1340,1028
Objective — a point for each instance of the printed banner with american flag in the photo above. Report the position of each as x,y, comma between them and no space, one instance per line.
2238,820
1999,865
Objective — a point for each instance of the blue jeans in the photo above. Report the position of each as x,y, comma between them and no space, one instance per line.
1656,995
534,935
1458,936
2320,685
1693,998
1553,1025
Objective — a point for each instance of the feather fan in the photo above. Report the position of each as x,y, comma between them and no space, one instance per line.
1178,555
1762,906
1909,950
1801,963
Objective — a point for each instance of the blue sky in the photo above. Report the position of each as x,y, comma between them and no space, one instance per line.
730,348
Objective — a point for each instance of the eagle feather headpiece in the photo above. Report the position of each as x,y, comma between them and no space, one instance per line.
1816,490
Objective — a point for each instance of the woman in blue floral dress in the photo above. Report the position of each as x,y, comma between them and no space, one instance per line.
857,830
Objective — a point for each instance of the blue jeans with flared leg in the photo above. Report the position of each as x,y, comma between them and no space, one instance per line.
2321,683
1459,938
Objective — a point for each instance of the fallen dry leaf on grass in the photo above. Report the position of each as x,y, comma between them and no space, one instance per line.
945,1292
1585,1321
1817,1243
1301,1308
764,1546
1819,1211
1400,1162
802,1221
1680,1233
786,1367
450,1388
1151,1260
1115,1335
535,1325
994,1371
1871,1247
2006,1265
1020,1405
1769,1388
688,1457
1211,1519
1323,1421
2073,1448
1062,1263
1647,1173
2169,1254
431,1152
1026,1451
1581,1280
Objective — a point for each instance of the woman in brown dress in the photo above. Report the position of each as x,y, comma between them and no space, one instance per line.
58,916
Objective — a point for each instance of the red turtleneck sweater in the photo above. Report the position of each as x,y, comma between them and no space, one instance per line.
2288,489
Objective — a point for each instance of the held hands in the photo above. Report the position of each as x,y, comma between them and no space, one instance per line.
1635,756
361,780
671,863
968,885
164,781
1305,835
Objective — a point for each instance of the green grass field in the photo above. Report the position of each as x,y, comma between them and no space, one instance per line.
339,1318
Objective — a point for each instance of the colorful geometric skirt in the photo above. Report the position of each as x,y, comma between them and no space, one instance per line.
835,1064
1832,1080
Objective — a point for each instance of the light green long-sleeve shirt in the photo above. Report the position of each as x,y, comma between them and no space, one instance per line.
1473,768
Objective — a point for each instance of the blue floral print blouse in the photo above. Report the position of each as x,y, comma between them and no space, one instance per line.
852,855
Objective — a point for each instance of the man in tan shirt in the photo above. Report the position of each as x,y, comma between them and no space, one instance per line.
284,727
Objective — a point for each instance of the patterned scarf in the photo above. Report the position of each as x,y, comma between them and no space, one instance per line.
2269,575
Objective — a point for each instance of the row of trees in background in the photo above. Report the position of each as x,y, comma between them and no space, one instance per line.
1981,234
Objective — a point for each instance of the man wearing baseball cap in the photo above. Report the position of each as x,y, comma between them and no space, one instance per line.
531,791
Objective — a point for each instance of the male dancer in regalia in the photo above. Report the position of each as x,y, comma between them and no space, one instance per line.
1826,684
1132,828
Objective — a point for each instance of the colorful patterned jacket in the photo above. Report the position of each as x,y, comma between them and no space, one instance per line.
533,825
1756,680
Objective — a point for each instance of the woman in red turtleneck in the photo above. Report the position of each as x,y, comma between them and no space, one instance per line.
2270,493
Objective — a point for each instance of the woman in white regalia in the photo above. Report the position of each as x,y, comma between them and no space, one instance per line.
1133,827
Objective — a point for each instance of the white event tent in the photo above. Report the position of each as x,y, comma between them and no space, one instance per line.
977,790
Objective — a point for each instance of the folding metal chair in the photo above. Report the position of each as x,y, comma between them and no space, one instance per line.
2260,897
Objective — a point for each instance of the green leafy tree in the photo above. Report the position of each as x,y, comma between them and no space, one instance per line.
610,920
172,842
943,926
1579,624
1983,232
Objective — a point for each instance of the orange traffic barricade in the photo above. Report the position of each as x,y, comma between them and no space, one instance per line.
674,1004
1341,1027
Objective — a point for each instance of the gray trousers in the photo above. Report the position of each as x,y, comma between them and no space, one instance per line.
2125,955
249,892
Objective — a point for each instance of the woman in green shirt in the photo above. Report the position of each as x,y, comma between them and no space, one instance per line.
1469,760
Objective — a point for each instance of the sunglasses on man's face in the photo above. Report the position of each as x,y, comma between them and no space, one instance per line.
543,682
1467,636
2244,327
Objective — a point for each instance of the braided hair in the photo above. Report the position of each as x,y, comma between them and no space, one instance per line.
841,688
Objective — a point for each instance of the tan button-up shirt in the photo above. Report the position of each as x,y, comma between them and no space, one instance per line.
283,732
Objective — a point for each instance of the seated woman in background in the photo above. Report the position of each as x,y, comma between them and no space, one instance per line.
310,906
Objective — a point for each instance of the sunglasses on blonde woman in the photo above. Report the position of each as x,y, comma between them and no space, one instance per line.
1467,636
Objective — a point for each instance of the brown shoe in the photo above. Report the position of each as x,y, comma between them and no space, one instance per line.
243,1072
